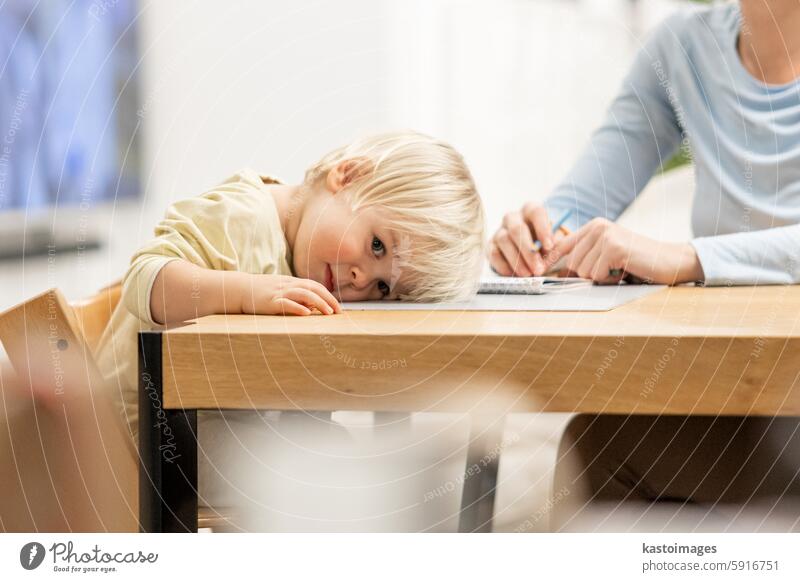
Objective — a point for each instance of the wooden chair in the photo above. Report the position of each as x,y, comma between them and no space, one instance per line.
48,329
51,345
82,448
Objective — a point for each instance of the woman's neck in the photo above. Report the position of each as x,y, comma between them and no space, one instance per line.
769,41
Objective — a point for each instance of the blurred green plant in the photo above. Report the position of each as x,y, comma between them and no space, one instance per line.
682,157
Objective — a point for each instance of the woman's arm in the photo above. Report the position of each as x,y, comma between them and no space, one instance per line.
640,132
762,257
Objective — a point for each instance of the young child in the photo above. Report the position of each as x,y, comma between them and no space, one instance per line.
391,216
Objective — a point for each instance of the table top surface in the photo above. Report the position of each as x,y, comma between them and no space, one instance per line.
685,311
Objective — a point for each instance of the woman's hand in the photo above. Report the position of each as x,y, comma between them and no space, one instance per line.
285,295
601,247
511,250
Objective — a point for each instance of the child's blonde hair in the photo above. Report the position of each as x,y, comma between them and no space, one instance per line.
431,202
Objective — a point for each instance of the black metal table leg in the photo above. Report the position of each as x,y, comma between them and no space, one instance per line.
167,450
480,475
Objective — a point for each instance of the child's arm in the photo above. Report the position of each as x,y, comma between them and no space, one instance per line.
183,291
209,255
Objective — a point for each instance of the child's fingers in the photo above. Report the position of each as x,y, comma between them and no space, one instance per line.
289,307
309,299
323,292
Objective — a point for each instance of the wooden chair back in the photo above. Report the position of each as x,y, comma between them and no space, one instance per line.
51,345
46,329
94,313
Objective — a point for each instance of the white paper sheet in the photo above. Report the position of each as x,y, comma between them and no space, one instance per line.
592,298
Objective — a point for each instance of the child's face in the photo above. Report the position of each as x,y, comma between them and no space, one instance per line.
351,253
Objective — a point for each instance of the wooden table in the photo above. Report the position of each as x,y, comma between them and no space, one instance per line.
683,350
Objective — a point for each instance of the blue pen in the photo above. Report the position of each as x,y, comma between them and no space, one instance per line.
537,245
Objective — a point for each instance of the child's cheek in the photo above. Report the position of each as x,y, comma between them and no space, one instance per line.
321,243
348,249
329,243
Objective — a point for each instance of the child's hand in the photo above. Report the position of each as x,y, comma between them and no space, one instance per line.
284,295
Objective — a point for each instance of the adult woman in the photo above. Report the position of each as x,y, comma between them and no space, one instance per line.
722,81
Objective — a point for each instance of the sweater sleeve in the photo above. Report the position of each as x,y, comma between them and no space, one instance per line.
762,257
639,133
221,229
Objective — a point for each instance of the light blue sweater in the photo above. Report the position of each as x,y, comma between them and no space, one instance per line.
688,88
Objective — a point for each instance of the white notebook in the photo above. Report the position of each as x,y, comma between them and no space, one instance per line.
529,285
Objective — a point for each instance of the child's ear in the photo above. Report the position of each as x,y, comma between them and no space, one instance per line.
346,172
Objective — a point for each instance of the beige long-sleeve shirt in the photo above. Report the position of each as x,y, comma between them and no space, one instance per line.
235,226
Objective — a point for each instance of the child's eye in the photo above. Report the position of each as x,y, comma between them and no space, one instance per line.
377,246
383,288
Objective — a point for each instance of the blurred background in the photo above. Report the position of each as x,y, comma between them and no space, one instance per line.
112,109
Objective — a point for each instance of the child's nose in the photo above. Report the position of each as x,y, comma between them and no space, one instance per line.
359,279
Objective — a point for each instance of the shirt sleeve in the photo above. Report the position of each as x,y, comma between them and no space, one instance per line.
762,257
213,230
639,133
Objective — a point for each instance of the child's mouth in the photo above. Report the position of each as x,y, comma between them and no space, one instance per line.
328,278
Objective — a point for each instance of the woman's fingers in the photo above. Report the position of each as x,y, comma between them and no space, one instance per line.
511,254
539,221
562,249
513,248
520,234
601,271
539,266
499,263
589,261
585,239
